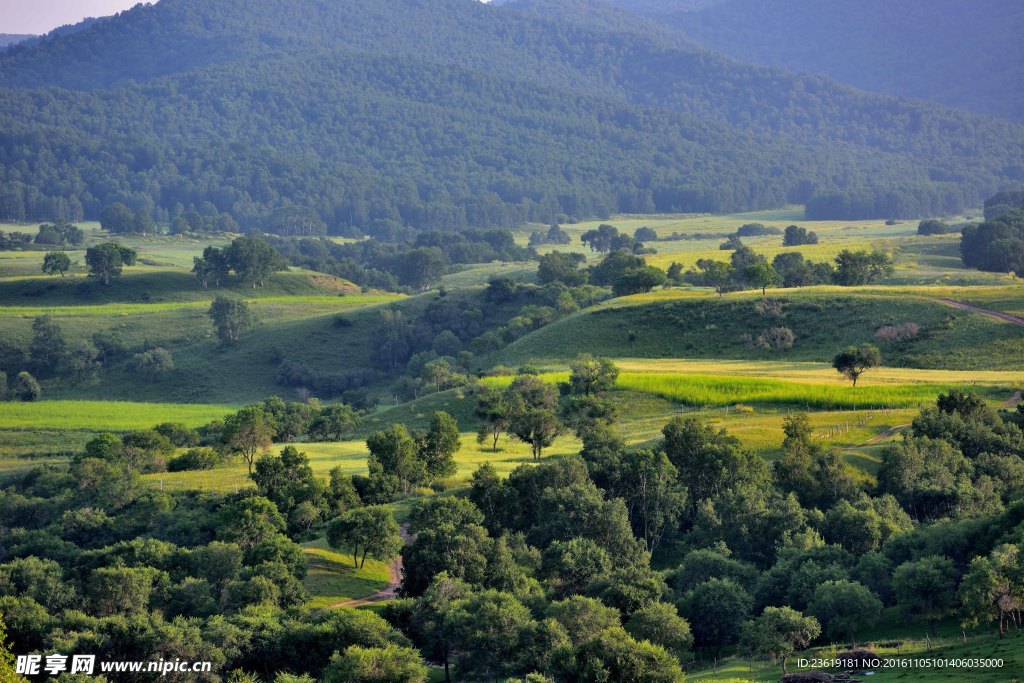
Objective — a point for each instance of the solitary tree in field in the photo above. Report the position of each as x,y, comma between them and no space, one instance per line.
253,260
107,260
56,262
854,360
369,531
532,412
492,410
248,433
231,317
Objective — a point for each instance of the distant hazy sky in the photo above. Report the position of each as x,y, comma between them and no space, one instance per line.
41,16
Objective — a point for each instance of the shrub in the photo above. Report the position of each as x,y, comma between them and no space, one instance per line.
932,226
756,230
26,388
777,339
897,334
153,364
194,459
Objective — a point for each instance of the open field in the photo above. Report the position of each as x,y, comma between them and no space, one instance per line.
331,577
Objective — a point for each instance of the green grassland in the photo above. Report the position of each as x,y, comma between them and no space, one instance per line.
331,577
895,638
688,324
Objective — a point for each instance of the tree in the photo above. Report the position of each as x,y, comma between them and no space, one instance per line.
431,622
661,624
422,266
389,664
396,453
212,267
993,587
613,266
779,632
369,531
716,274
926,588
561,267
333,423
613,655
853,361
117,218
119,590
601,238
492,411
56,262
288,481
439,445
845,607
716,610
107,260
493,632
589,375
795,236
638,280
47,352
26,388
709,461
854,268
761,275
532,413
247,433
231,318
253,260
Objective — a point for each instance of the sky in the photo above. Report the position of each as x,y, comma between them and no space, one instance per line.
40,16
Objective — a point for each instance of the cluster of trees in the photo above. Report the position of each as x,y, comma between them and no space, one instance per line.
396,257
997,244
106,261
252,259
554,235
622,270
746,268
544,573
60,234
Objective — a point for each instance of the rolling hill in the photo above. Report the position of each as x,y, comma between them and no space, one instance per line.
456,113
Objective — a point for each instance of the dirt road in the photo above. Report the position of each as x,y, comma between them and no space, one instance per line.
998,315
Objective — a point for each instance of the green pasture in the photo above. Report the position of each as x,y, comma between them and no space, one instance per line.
331,577
102,416
693,324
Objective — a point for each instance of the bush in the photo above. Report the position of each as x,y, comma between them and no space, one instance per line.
26,388
932,226
777,339
194,459
756,230
897,334
153,364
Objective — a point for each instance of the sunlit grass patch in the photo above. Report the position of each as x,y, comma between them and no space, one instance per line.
331,576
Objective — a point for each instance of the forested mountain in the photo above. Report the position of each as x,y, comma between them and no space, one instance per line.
13,38
963,53
454,113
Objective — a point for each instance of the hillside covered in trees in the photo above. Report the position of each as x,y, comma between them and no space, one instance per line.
453,115
939,51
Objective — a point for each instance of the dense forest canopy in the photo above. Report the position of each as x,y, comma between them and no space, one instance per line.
938,51
454,115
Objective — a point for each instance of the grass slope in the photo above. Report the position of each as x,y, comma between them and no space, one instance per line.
690,324
331,578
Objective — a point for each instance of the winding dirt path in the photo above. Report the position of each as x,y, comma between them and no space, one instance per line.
998,315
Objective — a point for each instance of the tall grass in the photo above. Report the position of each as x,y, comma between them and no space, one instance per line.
723,390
